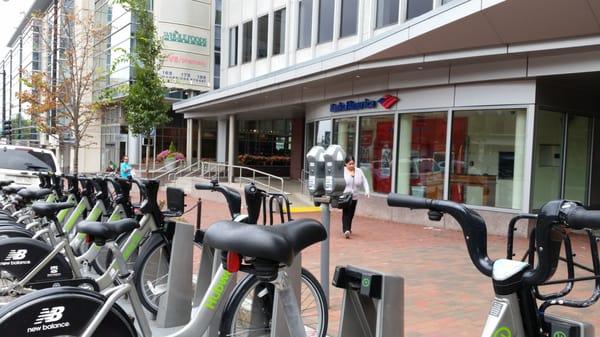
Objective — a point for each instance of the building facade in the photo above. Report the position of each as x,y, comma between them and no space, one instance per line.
489,103
191,54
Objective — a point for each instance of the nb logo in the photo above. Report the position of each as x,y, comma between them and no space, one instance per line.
49,315
53,269
16,254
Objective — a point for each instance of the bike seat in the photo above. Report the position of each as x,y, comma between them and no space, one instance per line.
31,194
6,182
280,243
50,208
107,231
12,189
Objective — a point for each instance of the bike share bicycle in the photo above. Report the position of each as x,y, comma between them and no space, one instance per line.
514,310
257,250
251,305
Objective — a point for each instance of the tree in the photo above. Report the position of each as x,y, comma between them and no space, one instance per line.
145,107
63,106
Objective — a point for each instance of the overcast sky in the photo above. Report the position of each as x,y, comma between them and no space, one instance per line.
11,14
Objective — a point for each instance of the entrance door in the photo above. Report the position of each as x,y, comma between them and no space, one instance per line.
561,162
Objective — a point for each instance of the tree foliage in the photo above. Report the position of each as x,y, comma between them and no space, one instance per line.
70,94
144,98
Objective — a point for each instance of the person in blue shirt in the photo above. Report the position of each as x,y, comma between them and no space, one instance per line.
125,169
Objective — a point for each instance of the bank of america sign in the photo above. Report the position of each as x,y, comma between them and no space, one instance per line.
387,102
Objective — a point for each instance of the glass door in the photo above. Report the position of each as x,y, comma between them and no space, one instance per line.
561,157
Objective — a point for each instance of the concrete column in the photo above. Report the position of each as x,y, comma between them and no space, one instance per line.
404,162
189,140
221,140
231,147
297,155
518,168
133,149
342,136
199,145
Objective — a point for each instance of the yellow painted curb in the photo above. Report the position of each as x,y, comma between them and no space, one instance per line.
307,209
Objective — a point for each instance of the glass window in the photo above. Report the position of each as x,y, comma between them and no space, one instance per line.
375,146
387,12
547,157
344,133
305,23
326,20
265,143
233,43
324,133
421,154
577,158
310,135
26,160
263,36
487,156
349,21
247,42
415,8
279,32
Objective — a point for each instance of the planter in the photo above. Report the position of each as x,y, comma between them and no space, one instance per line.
170,163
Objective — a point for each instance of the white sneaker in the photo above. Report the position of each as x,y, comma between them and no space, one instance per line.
347,234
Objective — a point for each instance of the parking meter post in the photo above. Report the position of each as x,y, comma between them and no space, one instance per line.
325,219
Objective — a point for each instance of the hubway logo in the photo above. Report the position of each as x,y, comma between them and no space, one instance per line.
46,320
15,257
387,102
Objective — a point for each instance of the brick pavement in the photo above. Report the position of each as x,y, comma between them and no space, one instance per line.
444,294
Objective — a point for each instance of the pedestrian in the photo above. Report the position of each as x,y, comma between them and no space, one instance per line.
125,169
354,178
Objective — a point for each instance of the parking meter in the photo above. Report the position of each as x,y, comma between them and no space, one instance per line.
316,171
334,171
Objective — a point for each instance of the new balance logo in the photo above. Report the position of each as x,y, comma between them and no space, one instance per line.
48,319
49,315
16,254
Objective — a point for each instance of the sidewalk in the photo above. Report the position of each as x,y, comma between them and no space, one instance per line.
444,294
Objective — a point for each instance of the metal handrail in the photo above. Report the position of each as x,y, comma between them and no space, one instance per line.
218,170
164,174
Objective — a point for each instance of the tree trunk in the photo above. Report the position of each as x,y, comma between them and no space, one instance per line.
76,155
147,160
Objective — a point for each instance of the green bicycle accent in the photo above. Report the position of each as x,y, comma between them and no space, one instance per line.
218,291
63,213
366,282
503,332
559,334
133,244
73,218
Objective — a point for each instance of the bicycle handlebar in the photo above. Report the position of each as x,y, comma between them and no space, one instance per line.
577,217
234,200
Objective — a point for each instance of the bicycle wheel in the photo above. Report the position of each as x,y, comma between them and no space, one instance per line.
249,310
152,271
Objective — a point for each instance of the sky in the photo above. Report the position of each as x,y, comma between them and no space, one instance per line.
11,14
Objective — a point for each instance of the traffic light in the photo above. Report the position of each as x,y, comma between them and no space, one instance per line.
7,128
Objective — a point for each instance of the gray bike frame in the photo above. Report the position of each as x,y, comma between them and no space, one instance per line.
202,314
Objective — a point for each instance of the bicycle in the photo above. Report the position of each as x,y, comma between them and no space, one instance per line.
257,250
514,310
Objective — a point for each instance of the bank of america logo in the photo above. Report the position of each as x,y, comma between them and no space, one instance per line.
388,101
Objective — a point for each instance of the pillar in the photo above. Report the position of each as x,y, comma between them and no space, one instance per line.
133,149
230,150
404,154
221,140
189,140
518,168
199,140
297,153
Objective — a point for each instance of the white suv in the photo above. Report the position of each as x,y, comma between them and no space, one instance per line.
21,163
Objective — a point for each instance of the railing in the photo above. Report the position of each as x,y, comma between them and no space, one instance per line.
221,172
165,170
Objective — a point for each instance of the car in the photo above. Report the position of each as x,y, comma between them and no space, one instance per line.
22,163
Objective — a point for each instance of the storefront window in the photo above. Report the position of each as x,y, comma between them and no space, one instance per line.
487,156
265,144
344,133
324,133
421,154
375,146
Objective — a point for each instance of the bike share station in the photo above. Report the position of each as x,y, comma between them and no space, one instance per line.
180,297
373,302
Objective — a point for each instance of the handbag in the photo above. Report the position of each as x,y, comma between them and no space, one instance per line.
344,200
